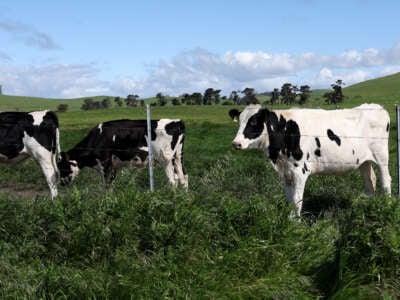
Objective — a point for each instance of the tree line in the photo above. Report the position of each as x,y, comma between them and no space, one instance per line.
288,94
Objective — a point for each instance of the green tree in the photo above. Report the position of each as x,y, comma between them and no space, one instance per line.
161,100
118,101
197,98
337,91
249,96
335,96
62,107
234,96
288,93
175,101
185,99
131,100
88,104
211,96
207,97
106,103
275,96
305,94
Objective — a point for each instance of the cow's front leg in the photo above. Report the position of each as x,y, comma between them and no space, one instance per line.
294,188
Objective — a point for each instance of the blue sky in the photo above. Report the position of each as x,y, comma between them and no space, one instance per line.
67,49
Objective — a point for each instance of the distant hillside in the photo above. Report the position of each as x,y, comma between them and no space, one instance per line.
379,87
24,103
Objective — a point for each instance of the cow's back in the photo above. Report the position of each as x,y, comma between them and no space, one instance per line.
348,122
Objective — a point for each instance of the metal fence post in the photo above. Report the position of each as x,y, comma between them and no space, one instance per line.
150,149
398,148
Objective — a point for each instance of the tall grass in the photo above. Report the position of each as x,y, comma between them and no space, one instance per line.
228,237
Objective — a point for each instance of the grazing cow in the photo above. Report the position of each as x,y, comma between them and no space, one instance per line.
303,142
33,134
114,144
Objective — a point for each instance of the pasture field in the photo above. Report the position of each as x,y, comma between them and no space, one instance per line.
228,237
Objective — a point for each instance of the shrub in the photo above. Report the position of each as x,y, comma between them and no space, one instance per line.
62,107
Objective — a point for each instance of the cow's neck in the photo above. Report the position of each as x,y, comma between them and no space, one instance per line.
82,159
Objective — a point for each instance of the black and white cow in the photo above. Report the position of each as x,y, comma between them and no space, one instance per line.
33,134
303,142
114,144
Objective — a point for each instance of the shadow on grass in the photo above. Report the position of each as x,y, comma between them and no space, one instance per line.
316,206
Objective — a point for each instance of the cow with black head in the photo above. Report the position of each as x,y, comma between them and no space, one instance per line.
118,143
304,142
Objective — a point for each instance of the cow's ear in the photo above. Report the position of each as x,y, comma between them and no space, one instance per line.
234,114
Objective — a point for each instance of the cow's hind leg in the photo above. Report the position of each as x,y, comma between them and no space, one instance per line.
45,159
50,174
179,167
369,177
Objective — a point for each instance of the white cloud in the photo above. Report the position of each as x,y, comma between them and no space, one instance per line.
389,70
325,77
199,69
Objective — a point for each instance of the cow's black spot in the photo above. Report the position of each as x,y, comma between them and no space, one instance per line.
175,129
276,132
45,133
308,155
318,142
333,137
292,140
296,165
304,171
358,161
387,127
255,125
284,136
317,152
354,152
305,167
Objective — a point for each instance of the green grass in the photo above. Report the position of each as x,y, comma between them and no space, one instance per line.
228,237
387,86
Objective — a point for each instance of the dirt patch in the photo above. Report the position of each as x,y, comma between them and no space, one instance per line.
23,192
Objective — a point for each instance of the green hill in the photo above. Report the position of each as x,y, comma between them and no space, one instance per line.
8,102
379,87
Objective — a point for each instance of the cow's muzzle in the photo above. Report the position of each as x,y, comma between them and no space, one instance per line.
237,145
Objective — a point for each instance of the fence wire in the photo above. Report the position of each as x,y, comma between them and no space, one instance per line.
204,141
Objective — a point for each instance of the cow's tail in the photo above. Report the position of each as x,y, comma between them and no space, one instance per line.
56,149
179,156
57,154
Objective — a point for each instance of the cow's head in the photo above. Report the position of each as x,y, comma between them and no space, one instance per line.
68,169
252,131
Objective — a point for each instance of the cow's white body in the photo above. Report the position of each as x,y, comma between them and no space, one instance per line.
357,137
